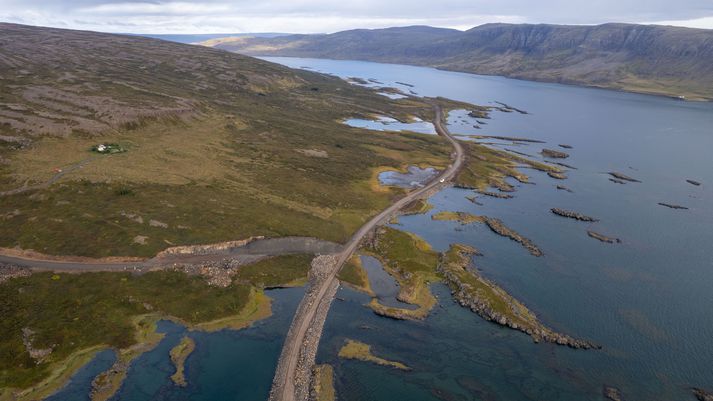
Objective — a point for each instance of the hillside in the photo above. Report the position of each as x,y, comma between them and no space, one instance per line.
215,146
641,58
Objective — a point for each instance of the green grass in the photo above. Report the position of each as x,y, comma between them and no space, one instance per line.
78,311
487,167
353,273
277,271
460,217
487,293
412,262
403,251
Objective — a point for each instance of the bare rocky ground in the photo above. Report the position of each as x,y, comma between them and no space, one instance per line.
8,271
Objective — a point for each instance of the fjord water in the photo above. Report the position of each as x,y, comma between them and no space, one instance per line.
648,301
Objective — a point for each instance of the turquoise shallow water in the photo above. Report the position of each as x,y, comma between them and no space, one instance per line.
647,301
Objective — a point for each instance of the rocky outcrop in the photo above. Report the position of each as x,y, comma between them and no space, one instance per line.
38,355
572,215
495,194
603,238
622,177
565,146
693,182
105,384
206,249
612,393
8,272
556,175
507,107
672,206
702,395
499,228
492,303
563,188
554,154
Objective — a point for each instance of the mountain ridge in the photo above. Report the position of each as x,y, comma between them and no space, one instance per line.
654,59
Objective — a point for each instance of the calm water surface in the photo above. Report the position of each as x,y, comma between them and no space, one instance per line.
647,301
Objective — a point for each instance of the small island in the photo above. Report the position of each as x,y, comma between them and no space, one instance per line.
554,154
353,349
179,354
492,303
572,215
603,238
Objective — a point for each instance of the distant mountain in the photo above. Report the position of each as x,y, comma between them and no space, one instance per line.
197,38
640,58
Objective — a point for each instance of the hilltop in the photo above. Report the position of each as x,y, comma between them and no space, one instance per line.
214,146
640,58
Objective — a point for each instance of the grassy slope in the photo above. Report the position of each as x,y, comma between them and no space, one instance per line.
214,145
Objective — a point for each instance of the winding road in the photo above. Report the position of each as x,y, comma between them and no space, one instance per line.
307,322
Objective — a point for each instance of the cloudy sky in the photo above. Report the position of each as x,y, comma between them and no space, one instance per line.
311,16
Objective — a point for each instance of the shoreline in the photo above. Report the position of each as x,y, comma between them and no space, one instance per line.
667,95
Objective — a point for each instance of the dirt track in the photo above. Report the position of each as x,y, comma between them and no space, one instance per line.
307,323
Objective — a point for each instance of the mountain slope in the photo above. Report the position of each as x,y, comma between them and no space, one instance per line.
642,58
219,146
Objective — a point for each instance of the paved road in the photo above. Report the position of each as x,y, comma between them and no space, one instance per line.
284,389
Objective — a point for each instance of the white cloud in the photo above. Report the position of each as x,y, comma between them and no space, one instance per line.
703,23
309,16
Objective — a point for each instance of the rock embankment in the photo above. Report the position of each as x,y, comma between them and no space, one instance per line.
499,228
572,215
603,238
322,266
492,303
